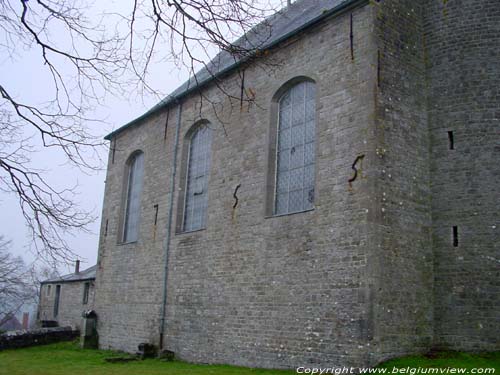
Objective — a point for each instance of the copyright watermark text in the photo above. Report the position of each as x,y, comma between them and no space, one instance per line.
394,370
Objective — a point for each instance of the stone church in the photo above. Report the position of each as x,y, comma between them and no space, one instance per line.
348,213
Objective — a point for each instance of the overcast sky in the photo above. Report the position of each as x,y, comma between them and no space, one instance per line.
27,77
90,187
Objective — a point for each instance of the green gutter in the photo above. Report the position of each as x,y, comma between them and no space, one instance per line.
338,10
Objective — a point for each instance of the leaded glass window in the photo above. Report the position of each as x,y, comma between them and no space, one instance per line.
196,200
295,156
133,198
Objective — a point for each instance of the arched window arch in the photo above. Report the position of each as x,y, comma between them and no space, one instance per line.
134,177
295,149
198,169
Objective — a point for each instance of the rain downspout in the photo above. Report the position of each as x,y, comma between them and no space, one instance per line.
169,223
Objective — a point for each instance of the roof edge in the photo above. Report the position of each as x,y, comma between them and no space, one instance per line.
65,281
337,10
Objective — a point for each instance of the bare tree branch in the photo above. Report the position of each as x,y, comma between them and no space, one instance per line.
88,54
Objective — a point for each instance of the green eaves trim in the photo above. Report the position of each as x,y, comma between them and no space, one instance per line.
338,10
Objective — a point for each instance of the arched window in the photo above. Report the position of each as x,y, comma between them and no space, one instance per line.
135,168
295,149
198,168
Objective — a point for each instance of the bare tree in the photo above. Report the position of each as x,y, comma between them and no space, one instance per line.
17,288
87,54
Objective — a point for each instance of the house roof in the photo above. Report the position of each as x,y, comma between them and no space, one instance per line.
284,24
88,274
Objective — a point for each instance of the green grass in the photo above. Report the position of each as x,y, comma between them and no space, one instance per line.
68,358
448,359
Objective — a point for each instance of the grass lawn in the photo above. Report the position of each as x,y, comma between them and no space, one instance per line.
448,359
68,358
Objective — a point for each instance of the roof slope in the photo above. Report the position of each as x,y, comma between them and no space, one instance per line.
87,274
277,28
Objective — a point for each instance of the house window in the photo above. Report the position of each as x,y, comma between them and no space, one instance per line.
86,289
295,149
198,167
135,167
48,290
56,300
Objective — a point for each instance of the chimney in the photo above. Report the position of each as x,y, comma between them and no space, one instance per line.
26,320
77,266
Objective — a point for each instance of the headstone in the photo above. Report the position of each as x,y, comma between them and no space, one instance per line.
89,337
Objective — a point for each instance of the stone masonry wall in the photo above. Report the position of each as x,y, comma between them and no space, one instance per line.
463,73
71,303
42,336
371,272
283,291
249,289
129,276
402,261
46,303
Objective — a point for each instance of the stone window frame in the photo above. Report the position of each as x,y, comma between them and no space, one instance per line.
185,156
271,169
49,287
124,199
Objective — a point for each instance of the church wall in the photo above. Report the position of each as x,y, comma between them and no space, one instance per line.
250,289
402,259
373,271
129,276
284,291
463,74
